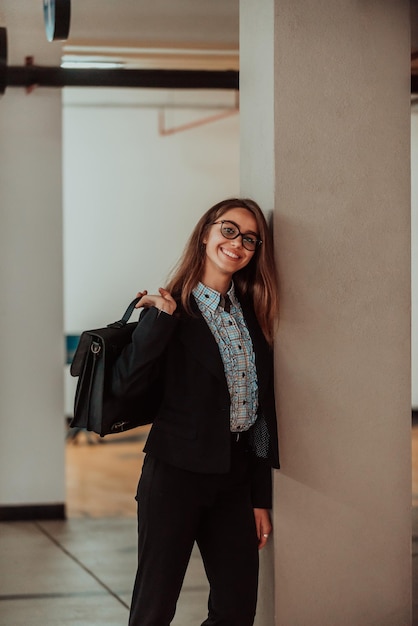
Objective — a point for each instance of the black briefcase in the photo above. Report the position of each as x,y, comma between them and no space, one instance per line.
95,407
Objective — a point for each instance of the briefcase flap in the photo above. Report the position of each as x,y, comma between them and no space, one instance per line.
111,340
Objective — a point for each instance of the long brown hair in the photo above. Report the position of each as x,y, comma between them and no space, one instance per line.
257,280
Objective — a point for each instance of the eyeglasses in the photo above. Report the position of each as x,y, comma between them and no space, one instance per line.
230,230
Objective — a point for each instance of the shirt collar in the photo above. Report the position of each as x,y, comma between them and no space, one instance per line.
210,299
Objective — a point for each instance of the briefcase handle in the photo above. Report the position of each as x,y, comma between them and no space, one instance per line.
126,316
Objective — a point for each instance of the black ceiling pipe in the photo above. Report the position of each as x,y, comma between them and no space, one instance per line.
30,75
3,59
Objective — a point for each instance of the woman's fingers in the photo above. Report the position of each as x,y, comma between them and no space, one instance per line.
170,304
166,295
263,526
163,301
140,294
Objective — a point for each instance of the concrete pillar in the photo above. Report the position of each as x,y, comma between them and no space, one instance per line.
258,177
342,227
31,338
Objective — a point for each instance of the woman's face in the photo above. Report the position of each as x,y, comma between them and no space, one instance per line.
225,256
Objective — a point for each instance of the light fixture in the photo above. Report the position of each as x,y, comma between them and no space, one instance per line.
57,16
83,64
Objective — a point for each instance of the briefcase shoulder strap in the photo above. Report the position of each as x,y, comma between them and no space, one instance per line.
84,345
126,316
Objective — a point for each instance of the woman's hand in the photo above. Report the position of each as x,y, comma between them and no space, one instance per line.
263,526
164,301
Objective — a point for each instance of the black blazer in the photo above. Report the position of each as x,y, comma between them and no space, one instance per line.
178,359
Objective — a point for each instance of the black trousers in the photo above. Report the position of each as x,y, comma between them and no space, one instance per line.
177,508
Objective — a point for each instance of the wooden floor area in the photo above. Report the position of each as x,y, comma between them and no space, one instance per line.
102,478
102,473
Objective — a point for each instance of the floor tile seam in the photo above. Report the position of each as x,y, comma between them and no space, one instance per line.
80,564
12,597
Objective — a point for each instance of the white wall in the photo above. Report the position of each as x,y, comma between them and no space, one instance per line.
131,196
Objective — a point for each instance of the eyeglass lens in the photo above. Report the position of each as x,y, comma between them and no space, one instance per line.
230,231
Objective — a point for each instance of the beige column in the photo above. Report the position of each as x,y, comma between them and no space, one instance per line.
258,176
31,320
341,193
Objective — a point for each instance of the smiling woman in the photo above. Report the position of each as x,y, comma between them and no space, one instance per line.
205,341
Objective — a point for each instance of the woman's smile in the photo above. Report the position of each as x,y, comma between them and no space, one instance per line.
230,254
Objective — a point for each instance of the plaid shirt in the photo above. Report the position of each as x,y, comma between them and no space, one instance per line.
235,346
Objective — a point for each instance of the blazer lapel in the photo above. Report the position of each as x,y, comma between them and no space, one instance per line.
197,336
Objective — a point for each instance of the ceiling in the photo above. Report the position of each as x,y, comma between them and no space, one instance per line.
150,26
202,22
185,34
155,33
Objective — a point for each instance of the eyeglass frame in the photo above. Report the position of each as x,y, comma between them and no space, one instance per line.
258,242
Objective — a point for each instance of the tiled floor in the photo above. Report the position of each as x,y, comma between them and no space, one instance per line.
415,521
79,572
415,566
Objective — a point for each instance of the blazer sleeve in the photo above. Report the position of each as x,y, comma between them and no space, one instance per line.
138,365
261,484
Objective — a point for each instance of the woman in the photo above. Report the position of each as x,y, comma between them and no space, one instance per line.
204,346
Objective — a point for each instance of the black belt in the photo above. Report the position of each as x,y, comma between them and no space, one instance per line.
239,437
